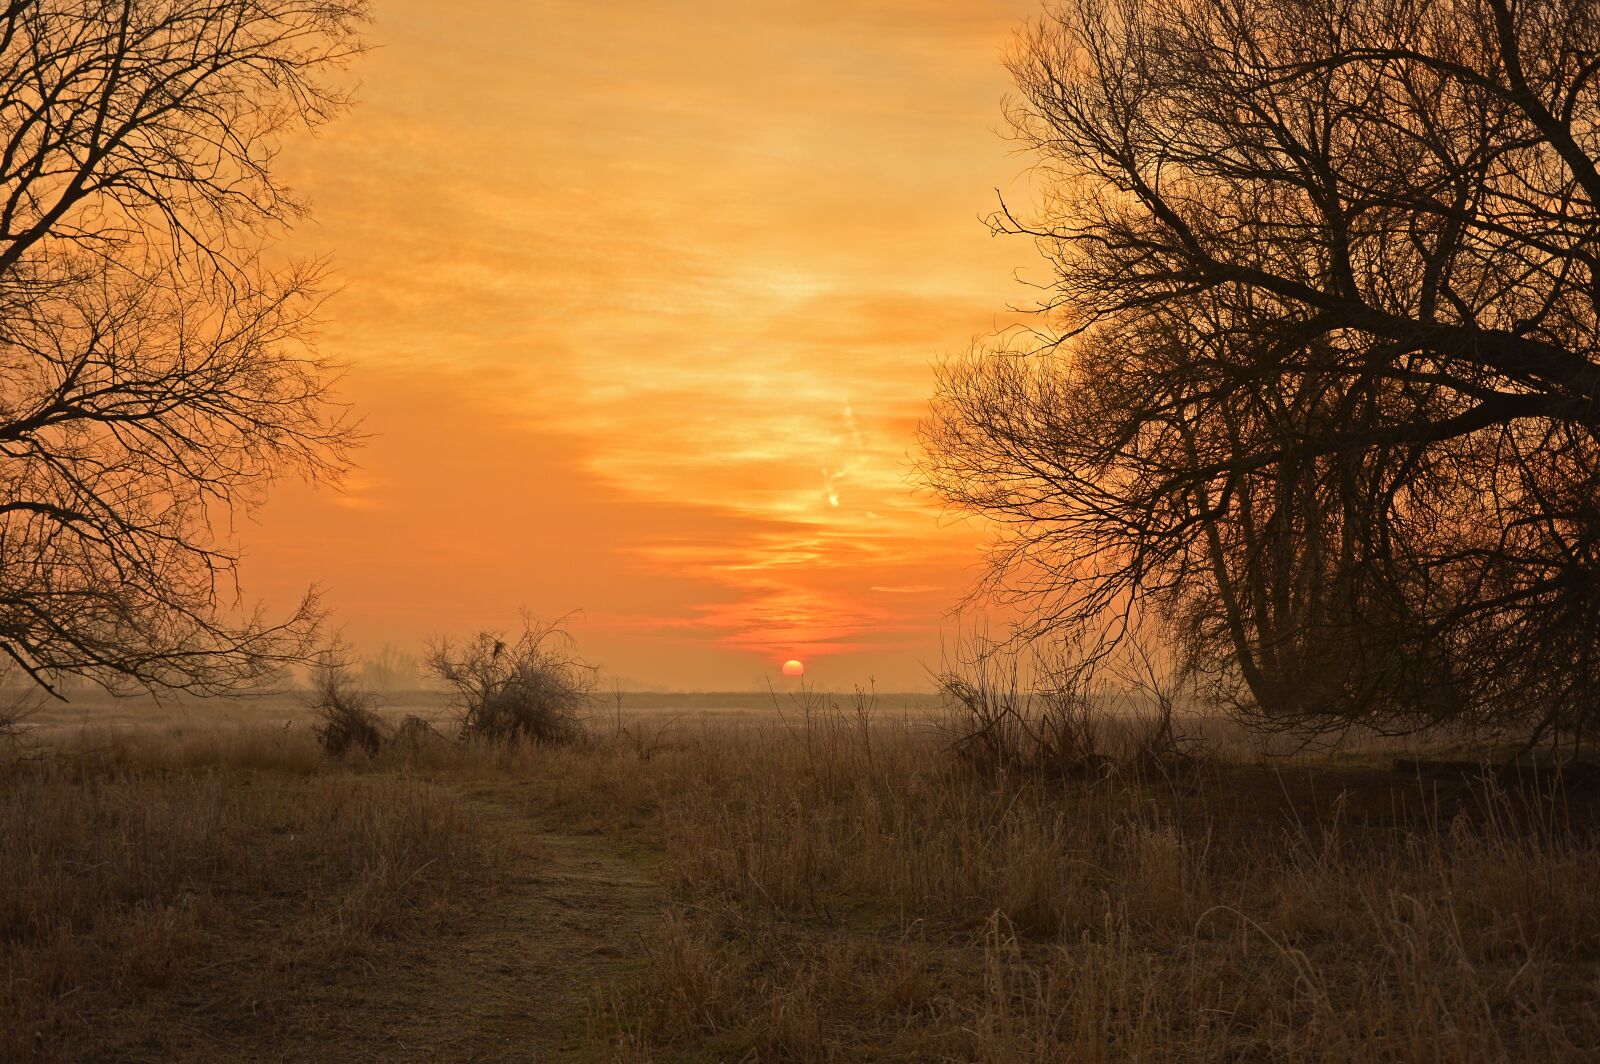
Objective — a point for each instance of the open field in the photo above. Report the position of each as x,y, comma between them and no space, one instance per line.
95,710
824,885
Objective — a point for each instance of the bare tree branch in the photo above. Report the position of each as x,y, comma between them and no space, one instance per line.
1321,377
155,374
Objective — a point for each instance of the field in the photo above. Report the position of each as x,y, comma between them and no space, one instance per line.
814,880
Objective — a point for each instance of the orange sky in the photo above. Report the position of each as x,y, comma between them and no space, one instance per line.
641,301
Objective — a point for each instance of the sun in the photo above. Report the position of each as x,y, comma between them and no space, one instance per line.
794,667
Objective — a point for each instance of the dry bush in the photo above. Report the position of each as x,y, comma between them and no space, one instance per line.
346,712
13,728
532,688
1048,710
414,733
20,699
1008,713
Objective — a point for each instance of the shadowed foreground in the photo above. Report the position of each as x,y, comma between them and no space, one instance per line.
230,898
511,982
829,887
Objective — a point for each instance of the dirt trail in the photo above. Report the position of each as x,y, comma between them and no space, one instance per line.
515,983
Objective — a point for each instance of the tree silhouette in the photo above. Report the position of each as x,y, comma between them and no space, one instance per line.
1319,374
155,372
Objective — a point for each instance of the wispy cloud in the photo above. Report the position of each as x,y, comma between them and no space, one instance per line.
681,270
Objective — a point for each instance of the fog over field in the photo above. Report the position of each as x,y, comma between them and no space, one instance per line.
296,707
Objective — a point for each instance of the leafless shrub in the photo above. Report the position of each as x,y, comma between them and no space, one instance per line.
1022,708
12,730
19,700
532,688
346,711
414,733
1067,710
1153,681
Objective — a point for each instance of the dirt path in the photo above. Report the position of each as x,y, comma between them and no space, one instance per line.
515,983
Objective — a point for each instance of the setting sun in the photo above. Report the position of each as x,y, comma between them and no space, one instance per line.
792,667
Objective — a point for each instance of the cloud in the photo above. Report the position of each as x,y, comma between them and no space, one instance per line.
618,281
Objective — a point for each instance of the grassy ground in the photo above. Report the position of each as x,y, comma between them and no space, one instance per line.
829,888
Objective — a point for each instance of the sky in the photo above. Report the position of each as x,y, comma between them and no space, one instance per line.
641,303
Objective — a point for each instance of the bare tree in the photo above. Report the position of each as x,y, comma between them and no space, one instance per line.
1319,374
155,371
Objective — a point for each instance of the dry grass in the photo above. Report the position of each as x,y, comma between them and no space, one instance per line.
146,881
842,888
846,892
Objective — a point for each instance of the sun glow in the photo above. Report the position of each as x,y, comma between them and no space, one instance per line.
719,403
794,667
